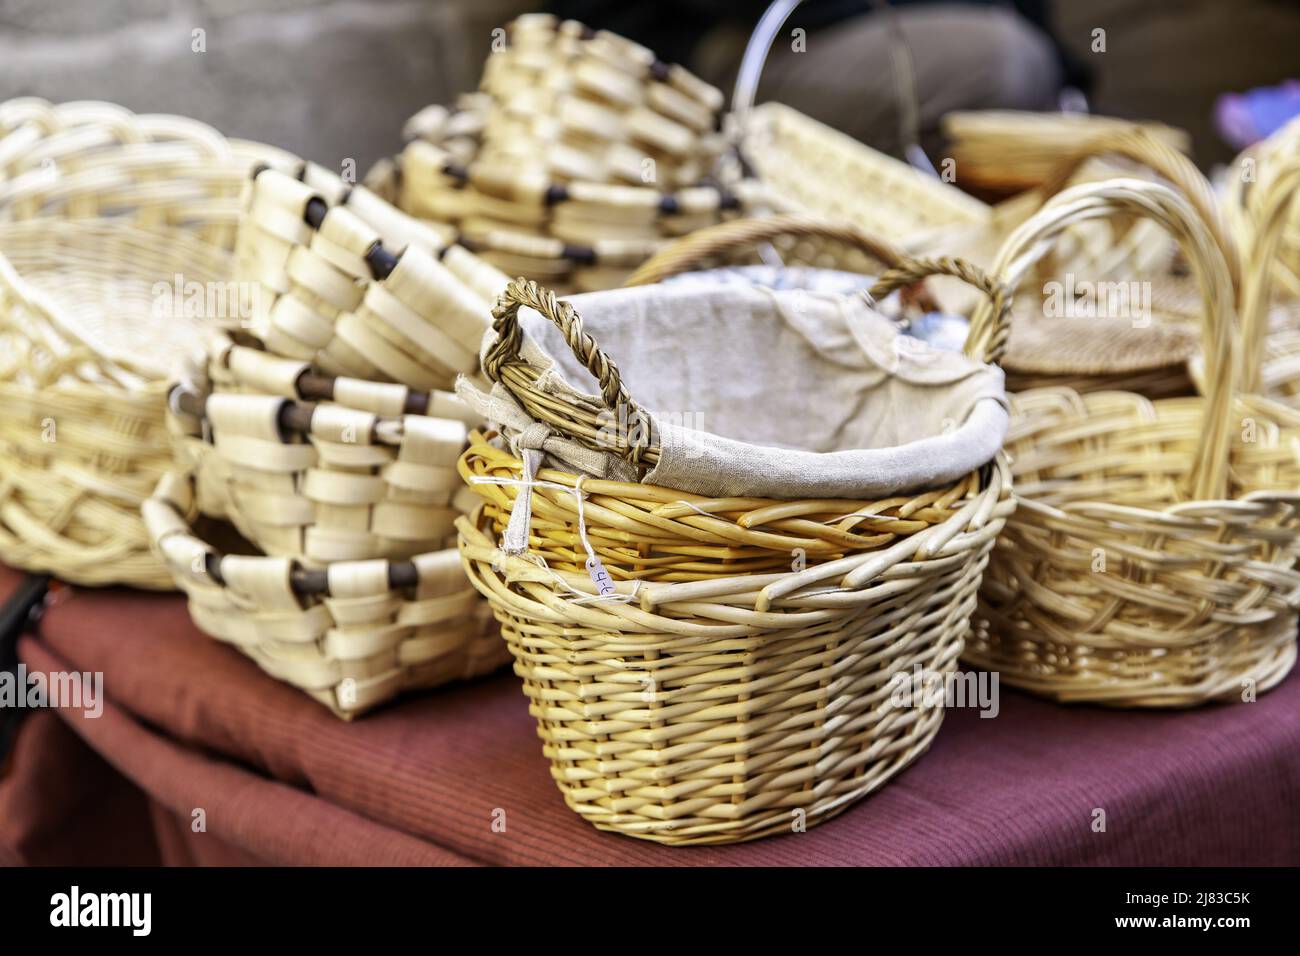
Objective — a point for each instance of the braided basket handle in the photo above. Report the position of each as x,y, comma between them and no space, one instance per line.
697,248
1140,146
989,328
510,336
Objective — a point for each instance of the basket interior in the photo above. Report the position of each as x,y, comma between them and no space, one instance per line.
731,373
130,298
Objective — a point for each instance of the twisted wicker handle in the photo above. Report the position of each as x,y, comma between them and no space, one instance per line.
1036,236
987,338
691,251
1262,241
506,351
1140,146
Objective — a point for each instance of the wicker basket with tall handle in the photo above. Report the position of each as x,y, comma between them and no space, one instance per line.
1149,561
705,692
1109,258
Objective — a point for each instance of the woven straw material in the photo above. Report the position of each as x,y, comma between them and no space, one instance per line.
793,240
1151,558
1271,360
738,671
1007,151
582,153
107,221
579,233
597,104
1246,200
345,472
352,637
1144,346
801,166
349,283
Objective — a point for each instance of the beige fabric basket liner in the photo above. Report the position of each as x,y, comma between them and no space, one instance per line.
754,392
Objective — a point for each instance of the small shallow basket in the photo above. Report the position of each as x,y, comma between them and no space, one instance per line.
1151,558
715,695
353,636
107,221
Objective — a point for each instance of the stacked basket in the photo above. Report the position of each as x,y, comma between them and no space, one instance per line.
581,153
324,433
689,686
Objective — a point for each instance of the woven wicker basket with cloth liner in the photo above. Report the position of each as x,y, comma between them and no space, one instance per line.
689,686
108,223
1151,560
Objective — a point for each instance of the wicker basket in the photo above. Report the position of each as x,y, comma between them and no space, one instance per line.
597,105
793,240
348,282
1008,151
1245,200
107,221
352,636
717,696
366,470
790,163
1151,558
1264,218
580,156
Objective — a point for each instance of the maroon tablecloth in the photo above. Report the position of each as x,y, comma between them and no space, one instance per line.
193,724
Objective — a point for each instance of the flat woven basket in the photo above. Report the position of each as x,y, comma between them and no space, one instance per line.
1151,560
789,163
109,222
715,695
353,636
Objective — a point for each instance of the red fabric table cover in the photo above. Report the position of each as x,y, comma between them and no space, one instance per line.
195,724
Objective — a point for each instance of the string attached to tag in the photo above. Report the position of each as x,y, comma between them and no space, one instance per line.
516,543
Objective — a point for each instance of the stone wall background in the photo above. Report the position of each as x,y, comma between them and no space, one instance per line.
335,79
326,79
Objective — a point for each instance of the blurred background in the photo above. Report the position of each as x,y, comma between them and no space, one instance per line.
335,79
